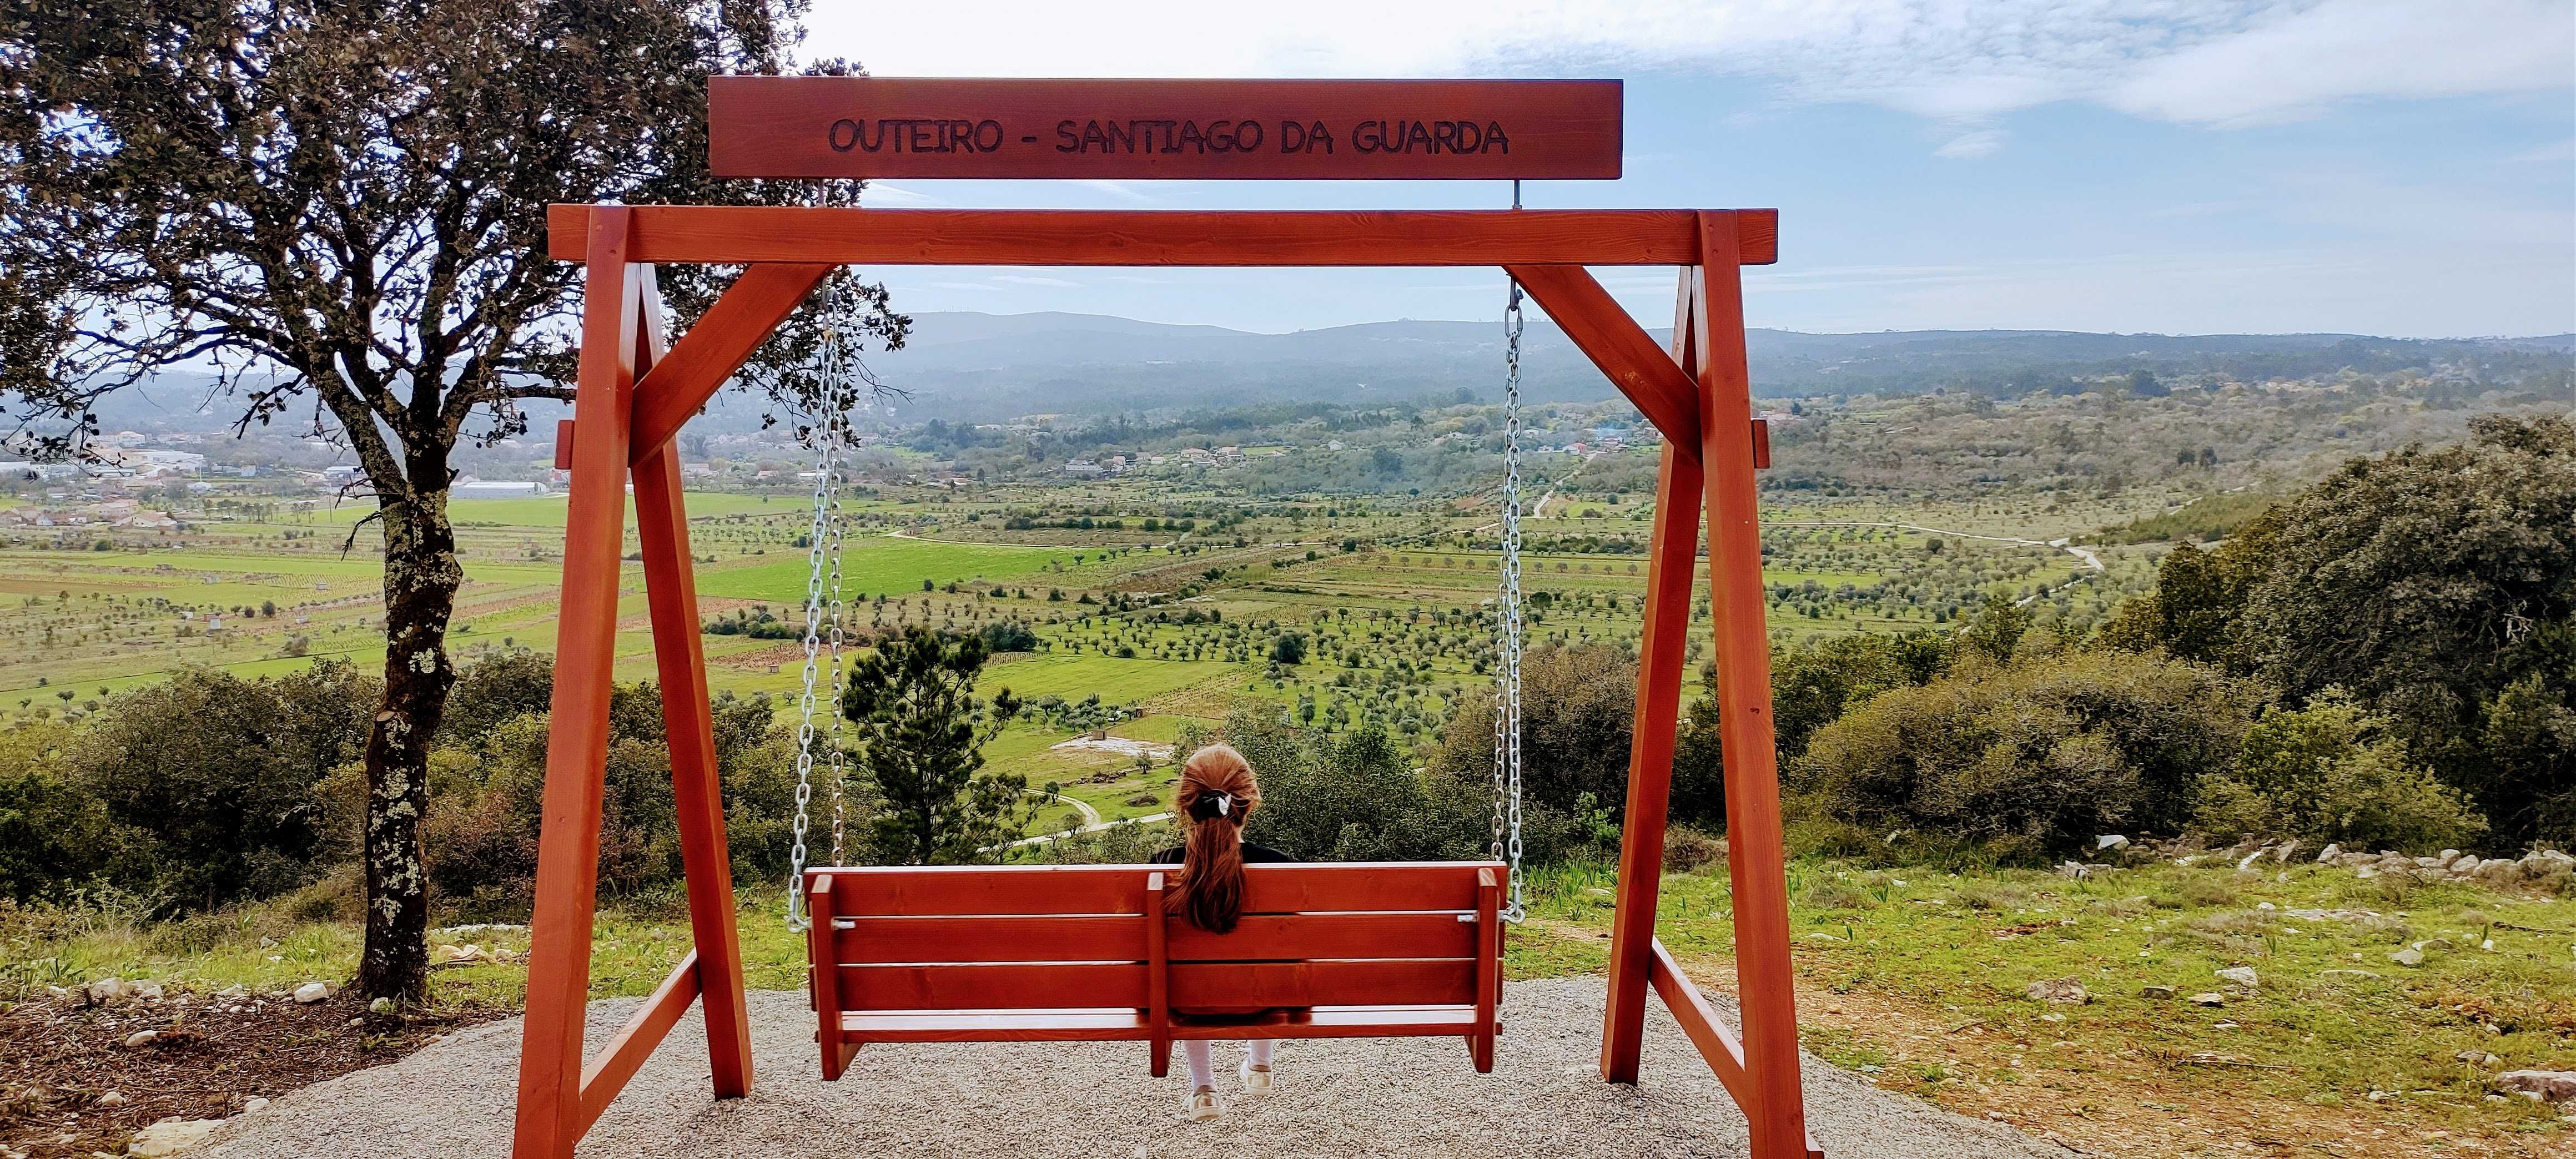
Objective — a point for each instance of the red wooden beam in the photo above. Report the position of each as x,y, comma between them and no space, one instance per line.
634,1042
714,348
679,655
823,980
1754,847
550,1097
1158,979
1489,967
1662,657
1622,349
730,234
1707,1031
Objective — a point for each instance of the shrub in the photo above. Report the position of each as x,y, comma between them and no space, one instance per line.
2030,760
52,833
2332,772
209,781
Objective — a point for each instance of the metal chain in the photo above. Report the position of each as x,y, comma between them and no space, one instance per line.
820,531
1507,683
837,429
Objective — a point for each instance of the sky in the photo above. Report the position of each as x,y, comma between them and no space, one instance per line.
2395,167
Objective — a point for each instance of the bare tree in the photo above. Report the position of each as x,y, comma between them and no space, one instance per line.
343,202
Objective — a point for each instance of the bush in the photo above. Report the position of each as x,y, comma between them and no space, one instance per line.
2331,772
209,781
52,833
2030,760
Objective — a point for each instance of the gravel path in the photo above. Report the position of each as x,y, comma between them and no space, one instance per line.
1359,1097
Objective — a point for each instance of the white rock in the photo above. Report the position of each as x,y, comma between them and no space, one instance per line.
312,992
2265,905
2241,975
2327,855
2209,998
112,1099
2465,866
233,993
254,1103
146,990
2110,841
381,1006
2063,991
107,990
143,1038
2249,859
2410,956
2548,1086
171,1136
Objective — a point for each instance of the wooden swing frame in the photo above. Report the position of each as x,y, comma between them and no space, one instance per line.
637,388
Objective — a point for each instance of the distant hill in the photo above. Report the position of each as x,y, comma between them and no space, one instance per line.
983,367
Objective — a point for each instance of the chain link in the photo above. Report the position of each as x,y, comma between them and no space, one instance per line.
1507,606
822,540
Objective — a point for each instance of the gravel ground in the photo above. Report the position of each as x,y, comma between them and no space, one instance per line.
1354,1097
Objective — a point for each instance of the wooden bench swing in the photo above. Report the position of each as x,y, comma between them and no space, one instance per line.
1035,953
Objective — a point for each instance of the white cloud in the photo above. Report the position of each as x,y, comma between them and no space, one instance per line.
2298,64
2561,152
1957,61
1981,143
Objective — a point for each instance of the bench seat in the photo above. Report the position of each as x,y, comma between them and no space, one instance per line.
1086,954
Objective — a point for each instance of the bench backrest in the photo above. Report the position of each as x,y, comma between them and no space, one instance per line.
1039,937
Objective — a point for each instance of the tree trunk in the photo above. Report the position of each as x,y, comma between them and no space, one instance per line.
421,578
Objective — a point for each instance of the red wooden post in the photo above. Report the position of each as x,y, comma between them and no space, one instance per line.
550,1062
679,654
823,983
1754,848
1662,651
1489,966
1158,978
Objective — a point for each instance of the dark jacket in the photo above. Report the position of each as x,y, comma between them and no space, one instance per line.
1252,855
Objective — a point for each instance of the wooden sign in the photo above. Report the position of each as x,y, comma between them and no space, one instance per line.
772,126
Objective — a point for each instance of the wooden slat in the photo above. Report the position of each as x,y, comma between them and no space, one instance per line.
1096,1025
1707,1031
634,1042
1048,938
1328,935
1077,938
1399,982
726,234
1115,889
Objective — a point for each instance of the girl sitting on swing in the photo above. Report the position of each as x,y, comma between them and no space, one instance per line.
1216,794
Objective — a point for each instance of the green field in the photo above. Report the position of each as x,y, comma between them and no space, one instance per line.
1392,599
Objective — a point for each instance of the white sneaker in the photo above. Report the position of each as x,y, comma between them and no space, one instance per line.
1255,1082
1202,1107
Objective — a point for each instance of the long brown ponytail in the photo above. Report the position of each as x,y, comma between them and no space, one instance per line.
1217,792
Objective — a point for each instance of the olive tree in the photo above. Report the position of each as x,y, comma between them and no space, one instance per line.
338,210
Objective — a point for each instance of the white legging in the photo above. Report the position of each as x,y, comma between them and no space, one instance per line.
1203,1072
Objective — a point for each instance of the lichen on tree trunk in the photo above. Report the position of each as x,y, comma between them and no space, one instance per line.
421,579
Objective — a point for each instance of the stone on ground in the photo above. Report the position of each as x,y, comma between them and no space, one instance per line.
172,1136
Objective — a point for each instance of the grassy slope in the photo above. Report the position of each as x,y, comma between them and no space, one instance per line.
1915,977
